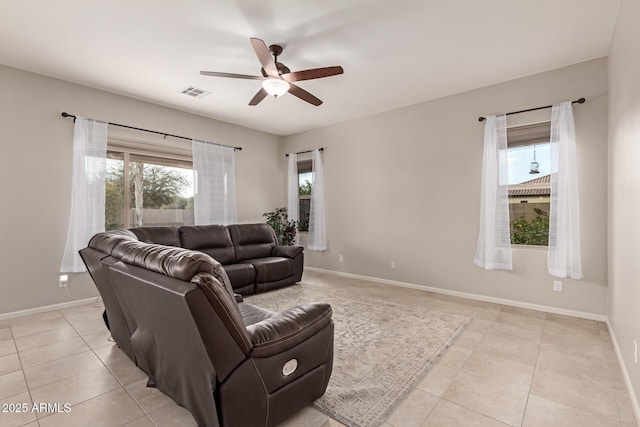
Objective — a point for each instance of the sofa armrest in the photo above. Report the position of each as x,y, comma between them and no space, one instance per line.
288,328
287,251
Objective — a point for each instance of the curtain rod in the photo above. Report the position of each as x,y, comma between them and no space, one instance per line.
156,132
577,101
308,151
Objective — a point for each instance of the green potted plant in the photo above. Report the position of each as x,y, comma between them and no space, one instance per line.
284,228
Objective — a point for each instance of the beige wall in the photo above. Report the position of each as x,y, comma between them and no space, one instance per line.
36,174
399,186
624,187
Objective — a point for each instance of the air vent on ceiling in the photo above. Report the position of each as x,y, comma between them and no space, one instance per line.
195,92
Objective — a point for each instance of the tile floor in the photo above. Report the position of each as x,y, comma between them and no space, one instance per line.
511,367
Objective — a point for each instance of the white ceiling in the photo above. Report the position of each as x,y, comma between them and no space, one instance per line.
394,53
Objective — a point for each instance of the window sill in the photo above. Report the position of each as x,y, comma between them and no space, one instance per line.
531,248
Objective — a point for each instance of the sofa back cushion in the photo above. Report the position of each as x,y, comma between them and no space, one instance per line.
252,240
213,240
160,235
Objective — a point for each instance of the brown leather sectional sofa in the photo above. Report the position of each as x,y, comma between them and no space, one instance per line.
174,313
249,253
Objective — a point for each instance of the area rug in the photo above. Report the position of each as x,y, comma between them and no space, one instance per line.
381,349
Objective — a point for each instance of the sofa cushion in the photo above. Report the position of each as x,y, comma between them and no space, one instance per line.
252,314
159,235
213,240
240,275
252,240
270,269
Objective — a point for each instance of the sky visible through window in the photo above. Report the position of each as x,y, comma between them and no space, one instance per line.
303,177
520,159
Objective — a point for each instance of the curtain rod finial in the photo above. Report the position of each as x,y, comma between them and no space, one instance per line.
481,119
581,101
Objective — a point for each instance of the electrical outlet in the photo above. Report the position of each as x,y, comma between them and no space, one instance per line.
557,285
635,352
63,280
393,264
341,258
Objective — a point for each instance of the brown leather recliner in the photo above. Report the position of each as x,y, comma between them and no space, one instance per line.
229,363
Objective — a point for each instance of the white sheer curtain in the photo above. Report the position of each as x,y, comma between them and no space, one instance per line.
87,190
293,190
493,251
215,188
317,231
564,219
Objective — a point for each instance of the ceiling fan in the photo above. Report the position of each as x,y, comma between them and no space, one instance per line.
277,78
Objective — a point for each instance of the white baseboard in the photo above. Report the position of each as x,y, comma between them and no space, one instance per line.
45,308
503,301
625,374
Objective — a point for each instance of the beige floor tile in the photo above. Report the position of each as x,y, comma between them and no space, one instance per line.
307,417
491,347
9,363
19,411
171,416
455,357
5,334
524,312
149,398
494,400
50,352
78,318
7,347
12,384
499,370
38,326
413,410
140,422
586,368
78,388
573,321
514,333
110,354
98,339
438,380
447,414
108,410
126,372
5,323
625,409
545,413
43,338
90,327
60,369
576,345
36,318
469,339
521,321
478,325
575,392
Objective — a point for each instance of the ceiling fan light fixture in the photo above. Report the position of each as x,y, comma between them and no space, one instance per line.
275,87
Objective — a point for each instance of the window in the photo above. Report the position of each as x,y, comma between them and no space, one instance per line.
305,178
147,190
529,183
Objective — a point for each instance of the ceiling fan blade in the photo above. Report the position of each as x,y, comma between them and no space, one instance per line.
303,94
231,75
262,51
258,97
314,73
